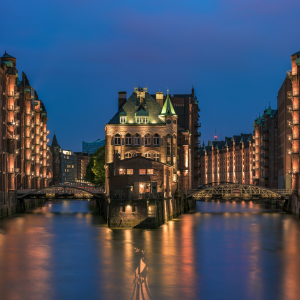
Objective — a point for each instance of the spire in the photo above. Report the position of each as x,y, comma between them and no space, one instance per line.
6,55
193,91
168,109
54,141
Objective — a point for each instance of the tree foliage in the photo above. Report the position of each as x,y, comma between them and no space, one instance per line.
95,172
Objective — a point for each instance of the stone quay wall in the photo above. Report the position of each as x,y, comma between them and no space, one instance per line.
130,213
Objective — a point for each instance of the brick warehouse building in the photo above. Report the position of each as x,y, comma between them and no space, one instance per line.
227,161
24,150
265,135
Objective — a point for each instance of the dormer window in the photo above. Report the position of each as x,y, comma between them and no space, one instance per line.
142,120
122,120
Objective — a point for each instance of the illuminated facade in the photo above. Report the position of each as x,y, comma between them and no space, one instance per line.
142,126
265,135
24,131
227,161
284,103
293,121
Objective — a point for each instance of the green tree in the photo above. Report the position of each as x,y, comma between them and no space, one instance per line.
95,172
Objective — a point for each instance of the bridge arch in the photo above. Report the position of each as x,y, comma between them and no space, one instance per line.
228,191
39,191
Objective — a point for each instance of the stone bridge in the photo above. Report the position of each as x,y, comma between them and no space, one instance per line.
61,191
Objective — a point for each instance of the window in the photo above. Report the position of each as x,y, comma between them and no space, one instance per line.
129,171
148,140
156,140
156,156
147,155
142,171
128,139
136,140
168,150
150,171
145,120
127,155
139,120
122,120
117,139
122,171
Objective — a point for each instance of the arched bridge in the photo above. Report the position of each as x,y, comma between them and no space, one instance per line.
236,191
61,191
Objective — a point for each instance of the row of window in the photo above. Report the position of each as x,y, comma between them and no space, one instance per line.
139,120
147,155
137,140
130,171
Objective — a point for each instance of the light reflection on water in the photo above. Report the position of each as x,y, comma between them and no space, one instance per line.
236,250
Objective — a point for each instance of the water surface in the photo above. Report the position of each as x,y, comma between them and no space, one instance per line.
221,251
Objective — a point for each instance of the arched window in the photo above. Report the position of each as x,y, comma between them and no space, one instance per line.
148,140
137,139
127,155
156,156
156,140
128,141
117,140
168,149
147,155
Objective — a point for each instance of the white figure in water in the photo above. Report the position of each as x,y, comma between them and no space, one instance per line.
141,289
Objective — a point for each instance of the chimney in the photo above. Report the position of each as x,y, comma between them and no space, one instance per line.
160,98
121,99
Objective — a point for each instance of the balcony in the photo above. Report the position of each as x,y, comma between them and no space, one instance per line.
13,123
48,132
292,171
289,137
290,123
290,108
289,94
198,125
295,122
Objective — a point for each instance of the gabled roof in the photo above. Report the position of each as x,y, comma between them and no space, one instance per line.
26,80
133,105
6,55
168,109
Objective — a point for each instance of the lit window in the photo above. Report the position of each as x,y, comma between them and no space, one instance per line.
122,171
139,120
122,120
117,139
145,120
148,140
127,155
136,140
147,155
150,171
142,171
156,140
129,171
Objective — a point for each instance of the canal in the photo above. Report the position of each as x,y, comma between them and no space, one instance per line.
221,251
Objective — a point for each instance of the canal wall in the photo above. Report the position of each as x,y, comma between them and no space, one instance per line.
8,204
146,213
293,205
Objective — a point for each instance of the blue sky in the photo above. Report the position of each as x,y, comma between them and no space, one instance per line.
78,54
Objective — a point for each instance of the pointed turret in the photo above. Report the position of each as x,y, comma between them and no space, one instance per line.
6,55
54,142
168,109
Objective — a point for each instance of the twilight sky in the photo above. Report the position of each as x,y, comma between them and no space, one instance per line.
78,54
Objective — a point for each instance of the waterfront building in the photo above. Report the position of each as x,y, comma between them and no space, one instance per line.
91,148
56,161
265,135
285,134
82,162
23,141
188,141
229,161
142,126
68,166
